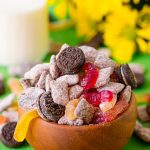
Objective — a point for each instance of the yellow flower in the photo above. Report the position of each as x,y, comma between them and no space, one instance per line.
123,35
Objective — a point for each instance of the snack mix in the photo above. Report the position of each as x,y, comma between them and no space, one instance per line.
80,86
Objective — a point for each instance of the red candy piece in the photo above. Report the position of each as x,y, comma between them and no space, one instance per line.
95,98
89,79
111,114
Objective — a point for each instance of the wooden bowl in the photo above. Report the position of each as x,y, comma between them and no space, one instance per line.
44,135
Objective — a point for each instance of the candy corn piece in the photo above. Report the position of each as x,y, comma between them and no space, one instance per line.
23,125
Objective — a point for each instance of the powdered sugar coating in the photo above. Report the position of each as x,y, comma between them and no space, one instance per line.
103,77
84,111
104,52
36,71
63,120
41,83
89,52
75,92
113,87
59,90
47,82
29,97
126,93
69,79
54,70
104,62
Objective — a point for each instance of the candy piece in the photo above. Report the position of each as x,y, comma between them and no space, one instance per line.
69,79
105,52
29,97
113,87
3,119
143,114
59,92
119,108
70,108
89,52
36,71
77,122
104,62
126,93
25,83
20,69
75,92
105,106
142,132
89,67
47,82
7,135
90,78
15,86
71,60
103,77
95,98
41,83
2,86
84,111
23,125
53,69
6,102
11,115
49,110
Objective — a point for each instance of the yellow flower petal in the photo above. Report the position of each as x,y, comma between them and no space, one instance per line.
144,33
61,9
142,45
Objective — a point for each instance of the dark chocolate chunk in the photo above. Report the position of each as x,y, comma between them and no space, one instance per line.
117,76
128,76
49,110
7,135
71,60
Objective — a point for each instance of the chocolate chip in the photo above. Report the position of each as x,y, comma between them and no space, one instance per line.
49,110
71,60
7,135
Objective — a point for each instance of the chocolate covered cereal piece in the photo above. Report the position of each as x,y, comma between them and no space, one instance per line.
41,82
7,134
103,77
84,111
49,110
25,83
36,71
113,87
47,82
142,132
89,52
104,62
59,90
64,121
28,98
54,70
126,93
71,60
75,92
69,79
105,52
143,114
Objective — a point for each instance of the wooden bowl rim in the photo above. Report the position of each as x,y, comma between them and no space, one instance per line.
86,127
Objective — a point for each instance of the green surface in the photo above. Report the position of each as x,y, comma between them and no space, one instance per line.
68,36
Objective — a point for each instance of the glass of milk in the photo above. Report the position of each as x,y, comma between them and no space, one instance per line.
23,31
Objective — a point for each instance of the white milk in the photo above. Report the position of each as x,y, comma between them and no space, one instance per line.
23,30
